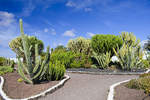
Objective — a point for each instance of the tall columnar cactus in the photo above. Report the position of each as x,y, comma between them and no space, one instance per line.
37,72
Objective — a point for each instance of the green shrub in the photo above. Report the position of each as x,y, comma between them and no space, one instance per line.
145,75
103,60
133,84
105,43
146,63
56,70
66,57
2,61
71,59
141,83
5,69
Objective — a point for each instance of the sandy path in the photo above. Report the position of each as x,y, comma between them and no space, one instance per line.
86,87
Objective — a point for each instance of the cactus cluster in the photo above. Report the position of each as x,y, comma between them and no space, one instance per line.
80,45
37,71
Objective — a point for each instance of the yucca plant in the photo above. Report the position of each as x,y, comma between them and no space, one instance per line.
37,71
103,59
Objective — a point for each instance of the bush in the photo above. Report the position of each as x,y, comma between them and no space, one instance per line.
71,59
2,61
66,57
103,60
105,43
5,69
146,63
56,70
141,83
145,75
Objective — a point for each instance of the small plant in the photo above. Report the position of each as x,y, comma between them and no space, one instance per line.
140,83
103,59
145,75
56,70
20,80
5,69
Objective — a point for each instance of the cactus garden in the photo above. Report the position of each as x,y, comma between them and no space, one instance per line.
74,50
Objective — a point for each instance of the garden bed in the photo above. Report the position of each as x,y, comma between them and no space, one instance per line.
124,93
15,89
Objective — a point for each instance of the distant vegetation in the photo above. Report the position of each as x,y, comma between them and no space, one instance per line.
80,52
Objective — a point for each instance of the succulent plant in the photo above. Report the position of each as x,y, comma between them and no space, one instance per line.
37,71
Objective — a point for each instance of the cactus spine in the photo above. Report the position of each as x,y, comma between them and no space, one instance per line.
35,72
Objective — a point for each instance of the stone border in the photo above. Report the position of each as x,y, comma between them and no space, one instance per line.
50,90
106,73
112,87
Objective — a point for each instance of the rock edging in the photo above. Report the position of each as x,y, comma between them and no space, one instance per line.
50,90
106,73
112,87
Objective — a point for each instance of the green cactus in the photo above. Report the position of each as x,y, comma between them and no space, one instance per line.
37,72
103,59
80,45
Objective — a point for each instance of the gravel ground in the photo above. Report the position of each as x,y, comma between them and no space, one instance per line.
86,87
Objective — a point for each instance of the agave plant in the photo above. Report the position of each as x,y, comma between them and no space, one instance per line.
103,59
37,71
129,57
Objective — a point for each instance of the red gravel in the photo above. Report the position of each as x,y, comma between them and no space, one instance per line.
15,89
124,93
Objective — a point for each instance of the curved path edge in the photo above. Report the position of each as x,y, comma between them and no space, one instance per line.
50,90
112,87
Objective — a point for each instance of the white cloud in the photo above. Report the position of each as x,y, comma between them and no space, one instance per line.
69,33
90,34
70,4
8,31
45,30
6,19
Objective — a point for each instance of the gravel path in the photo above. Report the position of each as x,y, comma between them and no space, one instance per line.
86,87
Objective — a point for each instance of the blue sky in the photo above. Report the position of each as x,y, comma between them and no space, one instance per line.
56,21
